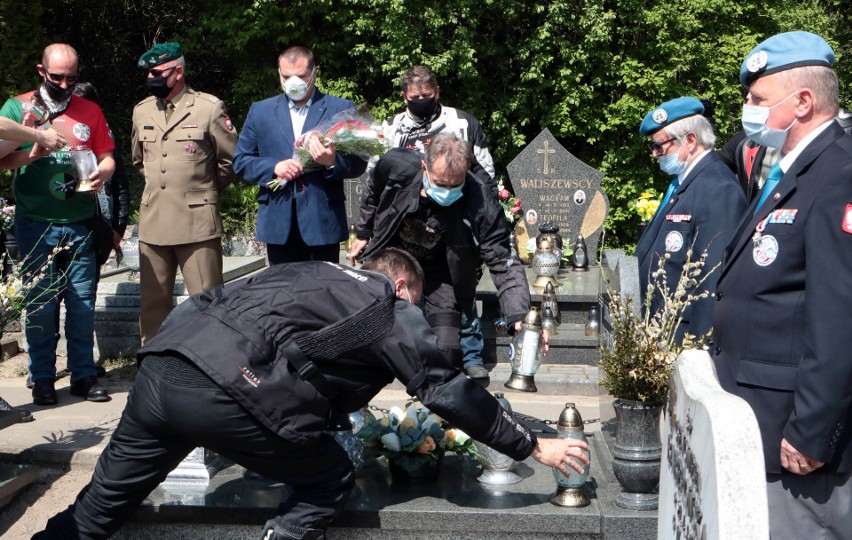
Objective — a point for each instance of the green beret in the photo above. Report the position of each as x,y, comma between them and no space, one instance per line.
160,54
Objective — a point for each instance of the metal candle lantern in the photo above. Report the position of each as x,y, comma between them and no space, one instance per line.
526,354
545,264
580,258
549,300
570,490
496,467
548,324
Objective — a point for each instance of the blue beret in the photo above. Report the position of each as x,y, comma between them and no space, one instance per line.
160,54
785,51
669,112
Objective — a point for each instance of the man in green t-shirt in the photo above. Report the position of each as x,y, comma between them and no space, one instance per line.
51,213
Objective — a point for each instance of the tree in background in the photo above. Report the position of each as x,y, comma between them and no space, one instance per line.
586,69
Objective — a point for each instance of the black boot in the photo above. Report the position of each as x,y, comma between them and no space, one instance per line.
26,416
277,529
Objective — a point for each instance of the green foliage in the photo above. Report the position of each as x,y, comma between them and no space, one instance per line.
586,69
238,205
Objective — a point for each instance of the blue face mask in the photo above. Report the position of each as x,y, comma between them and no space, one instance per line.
754,125
670,165
441,195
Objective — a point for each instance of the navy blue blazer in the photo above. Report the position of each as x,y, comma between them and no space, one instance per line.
782,332
703,212
266,139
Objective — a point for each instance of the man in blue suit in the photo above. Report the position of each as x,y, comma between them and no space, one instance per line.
306,219
700,209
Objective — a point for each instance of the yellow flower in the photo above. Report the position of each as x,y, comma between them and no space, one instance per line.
427,446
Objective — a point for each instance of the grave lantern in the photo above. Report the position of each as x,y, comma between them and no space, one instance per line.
526,354
570,490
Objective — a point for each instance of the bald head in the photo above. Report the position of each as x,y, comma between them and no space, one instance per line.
59,52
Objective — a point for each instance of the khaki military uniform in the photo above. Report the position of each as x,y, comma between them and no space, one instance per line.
186,162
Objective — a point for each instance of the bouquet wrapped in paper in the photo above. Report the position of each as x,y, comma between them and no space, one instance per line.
352,131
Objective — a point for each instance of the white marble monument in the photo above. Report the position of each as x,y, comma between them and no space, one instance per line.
712,484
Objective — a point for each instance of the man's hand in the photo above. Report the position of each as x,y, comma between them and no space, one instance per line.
357,248
325,155
545,337
95,180
797,462
50,139
37,152
288,169
561,454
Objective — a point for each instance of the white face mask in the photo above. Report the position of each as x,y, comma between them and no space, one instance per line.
296,88
754,125
409,295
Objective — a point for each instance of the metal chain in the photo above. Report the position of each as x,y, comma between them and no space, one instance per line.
517,415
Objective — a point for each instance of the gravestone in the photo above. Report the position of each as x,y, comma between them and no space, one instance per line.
352,188
555,186
712,485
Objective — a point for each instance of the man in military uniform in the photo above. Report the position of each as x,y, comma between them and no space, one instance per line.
183,142
700,209
255,375
784,297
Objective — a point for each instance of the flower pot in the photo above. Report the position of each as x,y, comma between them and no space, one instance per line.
637,453
425,473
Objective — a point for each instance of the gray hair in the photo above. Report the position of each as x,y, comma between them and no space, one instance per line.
821,80
693,124
452,150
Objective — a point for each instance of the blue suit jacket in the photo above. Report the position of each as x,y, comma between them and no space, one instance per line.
705,209
266,139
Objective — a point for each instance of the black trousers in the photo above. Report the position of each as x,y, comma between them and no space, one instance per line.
296,250
163,421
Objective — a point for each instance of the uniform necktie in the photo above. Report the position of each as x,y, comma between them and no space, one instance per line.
775,174
170,108
671,189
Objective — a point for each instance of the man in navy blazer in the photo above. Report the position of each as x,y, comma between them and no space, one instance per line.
784,297
306,219
700,209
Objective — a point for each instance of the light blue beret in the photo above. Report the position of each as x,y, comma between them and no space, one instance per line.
668,112
785,51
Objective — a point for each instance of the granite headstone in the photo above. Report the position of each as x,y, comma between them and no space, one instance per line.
553,185
352,188
712,484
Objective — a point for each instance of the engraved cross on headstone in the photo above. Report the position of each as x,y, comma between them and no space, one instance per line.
546,150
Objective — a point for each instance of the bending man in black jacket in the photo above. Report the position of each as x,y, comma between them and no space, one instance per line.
446,217
227,378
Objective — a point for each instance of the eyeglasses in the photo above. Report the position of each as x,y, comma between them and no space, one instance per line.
657,147
160,72
59,77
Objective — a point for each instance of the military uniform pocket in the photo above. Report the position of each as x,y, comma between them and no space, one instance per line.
192,145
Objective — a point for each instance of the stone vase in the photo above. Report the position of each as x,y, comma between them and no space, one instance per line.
637,453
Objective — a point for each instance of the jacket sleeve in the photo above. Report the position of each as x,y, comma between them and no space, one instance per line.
714,228
223,134
507,271
410,351
248,163
822,399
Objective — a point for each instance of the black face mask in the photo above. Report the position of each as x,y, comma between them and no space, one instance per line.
423,107
158,86
56,92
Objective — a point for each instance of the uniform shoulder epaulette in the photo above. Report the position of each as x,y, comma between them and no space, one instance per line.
146,100
208,97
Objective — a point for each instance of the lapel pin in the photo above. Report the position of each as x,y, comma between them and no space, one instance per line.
776,196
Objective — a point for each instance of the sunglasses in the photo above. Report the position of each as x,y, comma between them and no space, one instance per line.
160,72
657,147
59,77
